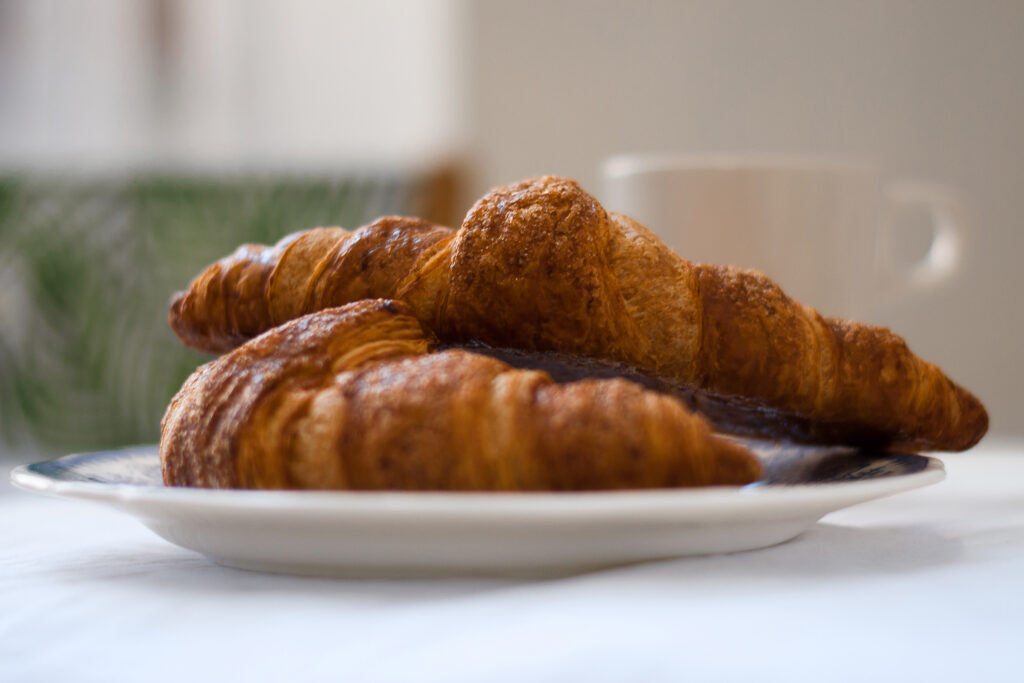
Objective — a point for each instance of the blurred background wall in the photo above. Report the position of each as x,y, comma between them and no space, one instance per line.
172,129
228,84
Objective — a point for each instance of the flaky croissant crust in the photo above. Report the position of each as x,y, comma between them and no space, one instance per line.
541,266
350,398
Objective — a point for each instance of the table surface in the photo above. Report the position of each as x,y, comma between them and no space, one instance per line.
925,585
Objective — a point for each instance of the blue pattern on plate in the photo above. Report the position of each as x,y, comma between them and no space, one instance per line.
785,465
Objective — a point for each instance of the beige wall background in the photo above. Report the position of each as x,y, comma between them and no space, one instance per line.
923,89
225,85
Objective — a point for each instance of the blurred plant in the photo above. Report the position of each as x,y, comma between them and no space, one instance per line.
86,270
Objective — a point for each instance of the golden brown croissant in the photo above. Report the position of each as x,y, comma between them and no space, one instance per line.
349,398
541,266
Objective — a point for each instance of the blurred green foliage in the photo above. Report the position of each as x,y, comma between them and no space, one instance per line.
87,360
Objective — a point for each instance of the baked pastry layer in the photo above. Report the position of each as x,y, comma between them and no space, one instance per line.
540,266
352,398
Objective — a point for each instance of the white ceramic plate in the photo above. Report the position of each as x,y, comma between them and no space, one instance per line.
395,534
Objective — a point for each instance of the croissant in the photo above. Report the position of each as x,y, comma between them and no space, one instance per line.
350,398
541,267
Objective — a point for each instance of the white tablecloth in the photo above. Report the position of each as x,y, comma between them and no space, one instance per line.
926,585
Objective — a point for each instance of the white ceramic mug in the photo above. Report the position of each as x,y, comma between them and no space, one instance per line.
822,229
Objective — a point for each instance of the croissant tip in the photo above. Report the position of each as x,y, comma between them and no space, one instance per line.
972,423
978,418
176,301
736,466
174,310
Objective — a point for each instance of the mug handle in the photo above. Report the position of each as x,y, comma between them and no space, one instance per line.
944,258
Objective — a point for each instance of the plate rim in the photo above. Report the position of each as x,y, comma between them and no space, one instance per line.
487,506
